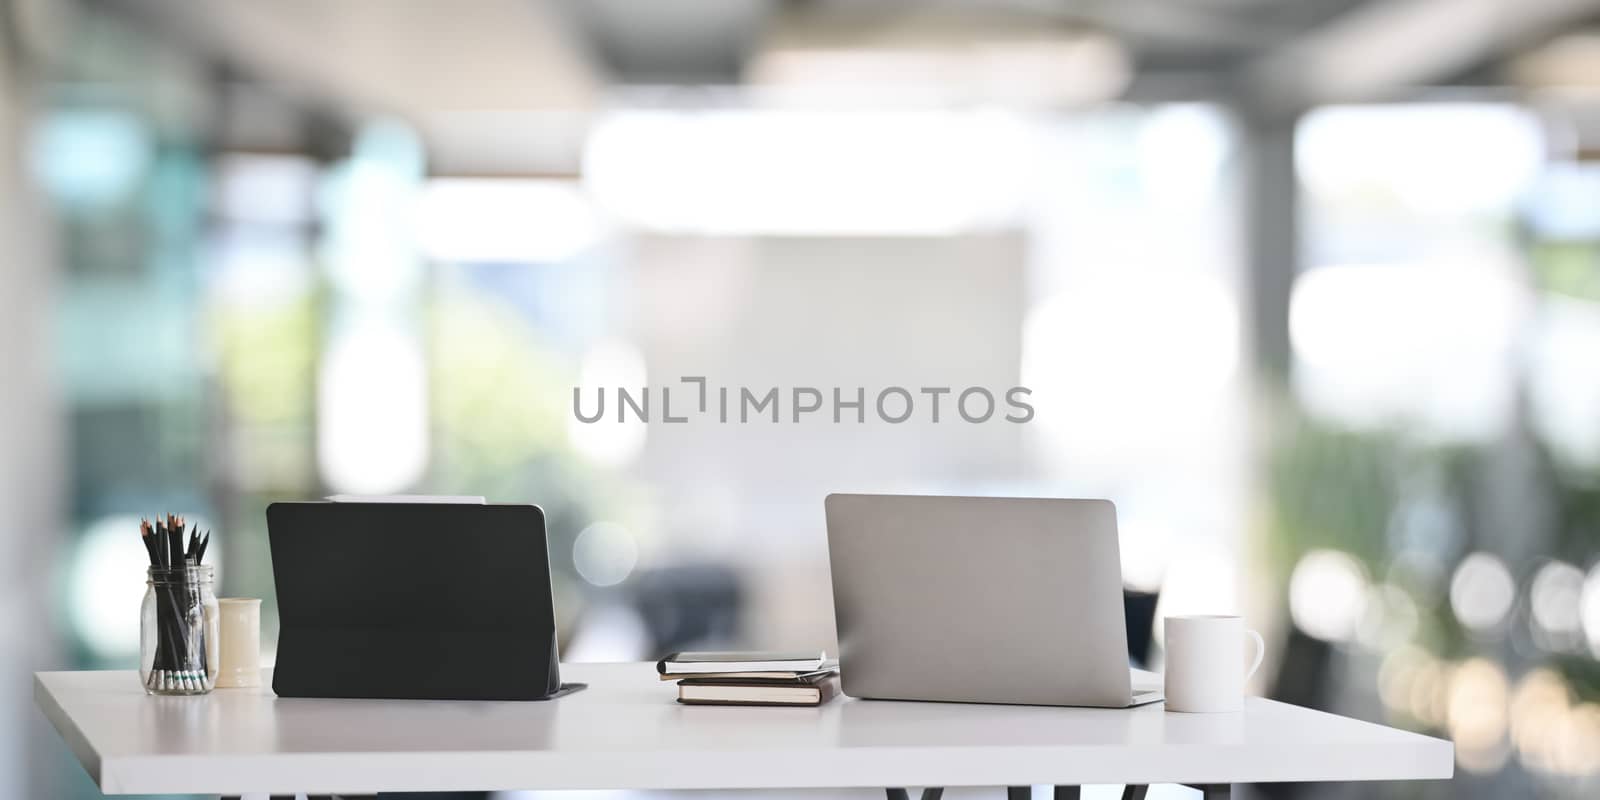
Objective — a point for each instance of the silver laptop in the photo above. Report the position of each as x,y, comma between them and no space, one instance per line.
980,600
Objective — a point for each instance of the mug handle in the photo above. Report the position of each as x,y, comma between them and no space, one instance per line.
1261,652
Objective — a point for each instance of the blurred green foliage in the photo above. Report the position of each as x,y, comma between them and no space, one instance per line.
1570,269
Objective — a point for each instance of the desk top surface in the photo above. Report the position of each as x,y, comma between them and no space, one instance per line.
627,732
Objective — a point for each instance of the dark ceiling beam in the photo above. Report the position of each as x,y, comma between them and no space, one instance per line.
1380,49
1182,25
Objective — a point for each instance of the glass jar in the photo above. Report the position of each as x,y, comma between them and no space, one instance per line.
178,631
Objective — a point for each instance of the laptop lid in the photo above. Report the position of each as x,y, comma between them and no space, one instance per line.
978,599
409,600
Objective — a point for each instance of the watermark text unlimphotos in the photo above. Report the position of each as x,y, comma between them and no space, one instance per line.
695,399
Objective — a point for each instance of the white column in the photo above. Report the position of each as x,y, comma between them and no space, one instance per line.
31,522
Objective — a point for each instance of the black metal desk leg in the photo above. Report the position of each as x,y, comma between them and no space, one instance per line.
1068,792
1134,791
928,793
1019,793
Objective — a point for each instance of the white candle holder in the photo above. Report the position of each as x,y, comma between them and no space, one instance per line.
240,643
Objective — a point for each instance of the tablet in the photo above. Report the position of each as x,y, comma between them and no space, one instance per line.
413,601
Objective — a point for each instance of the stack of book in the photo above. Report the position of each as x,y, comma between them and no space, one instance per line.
752,679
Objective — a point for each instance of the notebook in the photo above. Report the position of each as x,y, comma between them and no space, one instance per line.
808,691
729,664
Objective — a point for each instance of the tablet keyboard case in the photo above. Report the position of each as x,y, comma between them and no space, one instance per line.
413,601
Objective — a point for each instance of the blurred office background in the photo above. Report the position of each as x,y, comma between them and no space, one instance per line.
1311,288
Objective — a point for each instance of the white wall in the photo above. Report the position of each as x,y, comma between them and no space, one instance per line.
818,312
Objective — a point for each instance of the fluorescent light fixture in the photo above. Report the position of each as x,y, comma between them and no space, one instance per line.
810,172
942,57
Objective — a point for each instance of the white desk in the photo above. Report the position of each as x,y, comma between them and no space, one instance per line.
626,732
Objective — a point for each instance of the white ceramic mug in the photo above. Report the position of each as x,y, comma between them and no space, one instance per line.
1205,663
241,642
